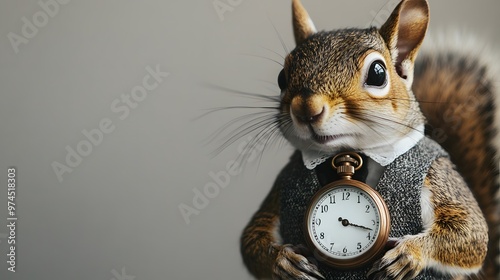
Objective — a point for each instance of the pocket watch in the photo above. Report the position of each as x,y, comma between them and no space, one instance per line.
347,222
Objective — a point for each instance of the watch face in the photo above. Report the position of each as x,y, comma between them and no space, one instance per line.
344,223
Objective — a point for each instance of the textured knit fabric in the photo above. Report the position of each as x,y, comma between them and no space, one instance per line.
400,185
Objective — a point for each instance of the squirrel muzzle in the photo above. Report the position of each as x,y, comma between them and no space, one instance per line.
309,110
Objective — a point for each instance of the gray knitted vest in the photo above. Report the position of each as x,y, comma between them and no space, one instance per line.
400,186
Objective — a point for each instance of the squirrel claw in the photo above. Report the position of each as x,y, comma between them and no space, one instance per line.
306,252
292,264
397,264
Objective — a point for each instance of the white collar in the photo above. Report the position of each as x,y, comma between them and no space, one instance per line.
382,155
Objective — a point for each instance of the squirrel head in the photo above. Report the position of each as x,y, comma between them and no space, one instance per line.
351,88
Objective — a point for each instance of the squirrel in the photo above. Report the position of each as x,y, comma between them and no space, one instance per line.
365,90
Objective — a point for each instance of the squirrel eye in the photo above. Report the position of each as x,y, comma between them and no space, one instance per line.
282,80
377,76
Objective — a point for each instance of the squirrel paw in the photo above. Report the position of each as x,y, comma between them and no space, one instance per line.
400,263
291,263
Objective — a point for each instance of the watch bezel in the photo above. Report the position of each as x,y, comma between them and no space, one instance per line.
378,246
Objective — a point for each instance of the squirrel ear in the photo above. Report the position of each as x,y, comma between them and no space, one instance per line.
404,32
303,26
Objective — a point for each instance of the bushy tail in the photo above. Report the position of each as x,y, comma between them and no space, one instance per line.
458,94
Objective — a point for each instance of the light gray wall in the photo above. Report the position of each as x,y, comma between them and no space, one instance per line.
116,214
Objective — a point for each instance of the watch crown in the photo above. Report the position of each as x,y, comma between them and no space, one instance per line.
347,163
345,170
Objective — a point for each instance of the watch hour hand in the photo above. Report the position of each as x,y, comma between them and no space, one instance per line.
354,225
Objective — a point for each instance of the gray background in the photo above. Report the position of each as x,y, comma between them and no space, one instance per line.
117,213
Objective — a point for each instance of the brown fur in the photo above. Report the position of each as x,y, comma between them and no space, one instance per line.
259,247
303,62
457,98
301,30
460,234
324,70
457,237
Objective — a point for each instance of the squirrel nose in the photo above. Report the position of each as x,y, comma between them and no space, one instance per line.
310,110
